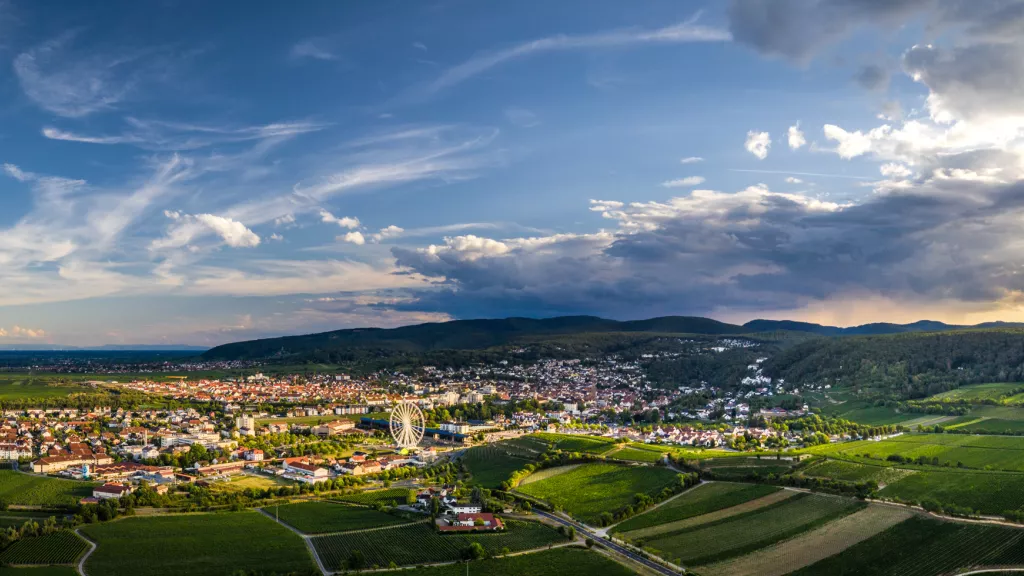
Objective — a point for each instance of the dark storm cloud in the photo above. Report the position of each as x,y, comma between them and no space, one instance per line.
872,77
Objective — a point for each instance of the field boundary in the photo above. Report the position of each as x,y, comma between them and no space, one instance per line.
305,540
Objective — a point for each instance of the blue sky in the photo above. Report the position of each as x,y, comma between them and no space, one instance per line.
188,172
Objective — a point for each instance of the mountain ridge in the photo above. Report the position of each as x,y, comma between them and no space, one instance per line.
477,334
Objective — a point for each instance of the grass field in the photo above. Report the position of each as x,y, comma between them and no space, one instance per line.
387,497
815,545
591,489
987,492
695,502
568,561
574,443
195,544
322,517
30,490
745,533
420,543
865,413
63,547
489,466
923,547
547,473
994,426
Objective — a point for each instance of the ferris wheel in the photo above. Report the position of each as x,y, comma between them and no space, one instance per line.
407,424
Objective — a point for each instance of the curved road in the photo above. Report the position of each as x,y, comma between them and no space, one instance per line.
622,550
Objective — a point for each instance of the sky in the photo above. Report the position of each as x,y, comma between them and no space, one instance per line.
188,172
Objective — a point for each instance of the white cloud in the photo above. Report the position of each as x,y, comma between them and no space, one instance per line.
344,221
353,238
758,144
795,137
691,160
851,144
314,48
276,237
794,180
521,117
419,46
389,232
687,31
163,135
683,182
19,332
286,220
14,172
187,228
893,170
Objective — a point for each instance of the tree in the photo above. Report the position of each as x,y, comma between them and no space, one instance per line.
589,542
475,551
356,560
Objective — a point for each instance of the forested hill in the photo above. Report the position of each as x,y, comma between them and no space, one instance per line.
461,335
483,334
908,365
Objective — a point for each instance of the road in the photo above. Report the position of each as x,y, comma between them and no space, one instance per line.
609,544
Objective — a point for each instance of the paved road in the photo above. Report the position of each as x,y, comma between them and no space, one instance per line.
609,544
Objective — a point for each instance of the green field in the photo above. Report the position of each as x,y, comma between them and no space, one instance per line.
977,393
994,426
420,543
856,472
16,386
489,466
591,489
923,547
745,533
634,454
387,497
323,517
986,492
556,562
31,490
38,571
696,501
63,547
980,452
865,413
195,544
574,443
243,481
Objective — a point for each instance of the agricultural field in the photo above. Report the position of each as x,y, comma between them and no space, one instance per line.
592,489
31,490
994,426
697,501
979,452
856,472
17,386
568,561
986,492
242,481
978,393
323,517
195,544
420,543
738,535
38,571
637,455
577,443
547,473
921,546
706,519
387,497
489,466
815,545
63,547
866,413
